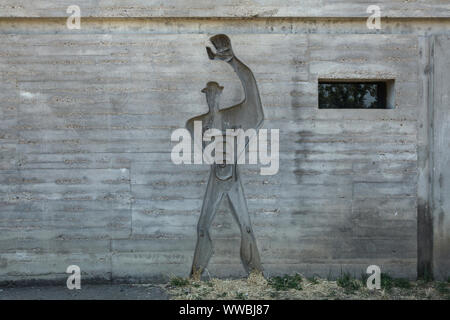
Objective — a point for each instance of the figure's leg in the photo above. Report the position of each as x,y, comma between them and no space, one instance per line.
204,247
249,250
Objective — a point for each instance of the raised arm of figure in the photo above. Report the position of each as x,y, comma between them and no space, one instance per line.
248,113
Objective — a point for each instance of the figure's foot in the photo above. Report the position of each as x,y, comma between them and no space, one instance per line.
256,277
196,274
249,253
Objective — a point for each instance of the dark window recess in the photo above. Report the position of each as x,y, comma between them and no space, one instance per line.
355,95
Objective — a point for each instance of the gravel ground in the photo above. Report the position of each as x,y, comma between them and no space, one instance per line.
255,287
87,292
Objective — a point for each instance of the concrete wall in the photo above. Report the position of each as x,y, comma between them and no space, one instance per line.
85,124
226,8
441,156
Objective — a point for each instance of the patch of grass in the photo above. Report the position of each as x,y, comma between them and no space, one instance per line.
274,294
286,282
442,288
347,286
329,276
347,282
241,296
333,293
186,292
402,283
201,294
387,282
313,280
179,282
364,277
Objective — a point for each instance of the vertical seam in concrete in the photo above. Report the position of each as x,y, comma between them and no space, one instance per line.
425,235
353,192
425,173
110,260
308,57
431,145
131,201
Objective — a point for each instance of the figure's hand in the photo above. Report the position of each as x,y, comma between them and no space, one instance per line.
211,54
225,55
222,44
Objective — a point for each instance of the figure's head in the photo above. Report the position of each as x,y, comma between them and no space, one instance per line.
212,92
222,44
212,87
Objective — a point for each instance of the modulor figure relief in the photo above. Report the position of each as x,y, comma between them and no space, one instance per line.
224,179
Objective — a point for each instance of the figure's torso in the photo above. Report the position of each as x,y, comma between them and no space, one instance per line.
215,121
